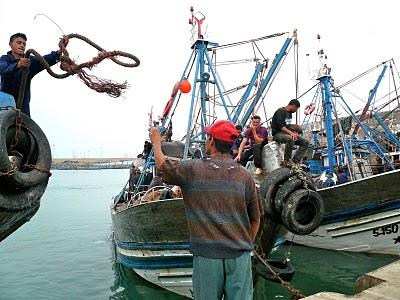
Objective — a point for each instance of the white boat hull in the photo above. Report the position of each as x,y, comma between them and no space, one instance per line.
376,233
158,268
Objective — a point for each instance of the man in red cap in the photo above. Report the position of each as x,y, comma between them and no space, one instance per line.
223,212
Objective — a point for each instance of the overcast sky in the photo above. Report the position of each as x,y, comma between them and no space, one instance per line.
78,122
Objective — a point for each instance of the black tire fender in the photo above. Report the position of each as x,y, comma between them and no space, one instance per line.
287,188
21,199
32,144
303,211
283,268
268,187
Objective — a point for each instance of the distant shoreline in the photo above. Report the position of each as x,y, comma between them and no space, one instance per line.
92,163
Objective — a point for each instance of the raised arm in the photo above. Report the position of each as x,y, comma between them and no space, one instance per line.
156,140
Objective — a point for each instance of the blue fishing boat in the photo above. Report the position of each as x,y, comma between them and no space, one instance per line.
363,213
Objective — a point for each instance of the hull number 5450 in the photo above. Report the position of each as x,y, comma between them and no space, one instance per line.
384,230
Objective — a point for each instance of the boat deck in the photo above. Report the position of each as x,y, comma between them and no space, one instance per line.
383,283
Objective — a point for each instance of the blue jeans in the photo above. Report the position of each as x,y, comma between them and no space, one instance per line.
214,278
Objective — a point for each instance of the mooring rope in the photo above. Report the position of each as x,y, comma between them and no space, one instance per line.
295,293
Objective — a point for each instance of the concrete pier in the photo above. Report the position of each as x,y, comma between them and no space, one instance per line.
383,283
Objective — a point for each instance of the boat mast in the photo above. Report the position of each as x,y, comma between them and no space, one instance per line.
202,62
264,83
326,82
370,97
324,77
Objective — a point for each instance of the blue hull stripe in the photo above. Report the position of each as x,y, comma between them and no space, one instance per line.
360,211
153,246
157,262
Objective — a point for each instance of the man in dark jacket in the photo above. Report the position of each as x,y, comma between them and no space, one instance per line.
284,133
12,64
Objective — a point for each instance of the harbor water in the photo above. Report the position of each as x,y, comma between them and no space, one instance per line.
66,251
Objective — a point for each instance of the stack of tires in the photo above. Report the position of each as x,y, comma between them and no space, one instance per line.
291,201
25,161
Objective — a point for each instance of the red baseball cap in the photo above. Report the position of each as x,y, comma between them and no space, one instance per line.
223,131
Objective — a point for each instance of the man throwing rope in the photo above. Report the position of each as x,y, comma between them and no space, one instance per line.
12,64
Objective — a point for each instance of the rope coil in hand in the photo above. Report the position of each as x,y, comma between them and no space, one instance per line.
68,65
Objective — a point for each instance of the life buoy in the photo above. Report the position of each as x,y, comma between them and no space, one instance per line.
175,89
167,107
309,109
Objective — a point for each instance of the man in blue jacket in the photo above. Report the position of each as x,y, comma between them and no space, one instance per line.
13,62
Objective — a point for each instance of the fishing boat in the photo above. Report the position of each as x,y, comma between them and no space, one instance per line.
363,214
149,222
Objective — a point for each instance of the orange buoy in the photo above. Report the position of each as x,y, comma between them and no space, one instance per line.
185,86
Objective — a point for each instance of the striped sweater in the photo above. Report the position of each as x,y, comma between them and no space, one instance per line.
220,201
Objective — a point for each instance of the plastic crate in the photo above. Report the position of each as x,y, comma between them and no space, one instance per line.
314,165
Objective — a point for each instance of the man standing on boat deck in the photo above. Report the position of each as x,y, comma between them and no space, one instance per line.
12,64
258,137
223,212
284,133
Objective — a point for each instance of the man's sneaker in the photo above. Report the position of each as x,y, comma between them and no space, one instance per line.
258,171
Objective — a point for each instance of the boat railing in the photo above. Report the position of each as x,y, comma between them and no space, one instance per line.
153,193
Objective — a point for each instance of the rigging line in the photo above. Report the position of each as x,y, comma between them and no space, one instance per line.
273,78
180,94
360,75
249,41
265,111
355,96
263,98
238,62
394,83
254,51
306,92
388,94
382,106
257,85
259,50
222,84
397,71
343,137
232,90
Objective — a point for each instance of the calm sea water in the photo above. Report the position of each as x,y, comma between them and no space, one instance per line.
65,251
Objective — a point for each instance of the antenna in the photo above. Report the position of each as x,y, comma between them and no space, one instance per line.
197,19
